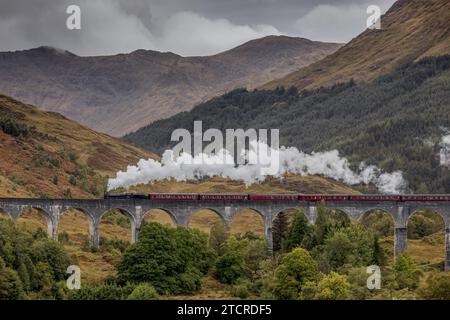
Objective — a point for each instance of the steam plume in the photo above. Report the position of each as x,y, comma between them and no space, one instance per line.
293,161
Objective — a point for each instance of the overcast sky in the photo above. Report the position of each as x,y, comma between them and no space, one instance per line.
185,27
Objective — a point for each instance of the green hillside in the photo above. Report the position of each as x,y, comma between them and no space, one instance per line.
395,122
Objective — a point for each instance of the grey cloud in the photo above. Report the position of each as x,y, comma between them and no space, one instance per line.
187,27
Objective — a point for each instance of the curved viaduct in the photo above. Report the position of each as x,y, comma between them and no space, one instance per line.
181,211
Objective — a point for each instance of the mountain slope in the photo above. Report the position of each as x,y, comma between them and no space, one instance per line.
43,154
396,122
411,30
121,93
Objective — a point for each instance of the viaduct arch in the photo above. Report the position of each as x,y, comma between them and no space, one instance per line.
181,211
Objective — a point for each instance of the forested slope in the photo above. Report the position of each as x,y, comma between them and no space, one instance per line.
396,122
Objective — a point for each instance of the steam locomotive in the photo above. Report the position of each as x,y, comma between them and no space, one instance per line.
276,197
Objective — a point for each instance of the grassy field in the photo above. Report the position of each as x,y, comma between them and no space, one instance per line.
57,155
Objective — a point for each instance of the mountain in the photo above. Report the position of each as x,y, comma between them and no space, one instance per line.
121,93
396,122
410,30
43,154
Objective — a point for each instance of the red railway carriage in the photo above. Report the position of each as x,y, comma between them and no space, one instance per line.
438,197
273,197
323,197
375,197
173,196
224,197
310,197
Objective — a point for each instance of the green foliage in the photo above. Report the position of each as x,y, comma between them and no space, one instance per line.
102,292
109,245
351,245
230,267
143,291
67,194
437,287
241,289
242,258
328,221
217,238
357,277
117,218
29,263
423,224
300,233
333,287
296,269
378,222
63,237
53,255
407,275
171,259
378,255
279,230
10,284
14,127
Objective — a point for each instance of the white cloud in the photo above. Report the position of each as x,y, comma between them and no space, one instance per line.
191,34
109,28
336,23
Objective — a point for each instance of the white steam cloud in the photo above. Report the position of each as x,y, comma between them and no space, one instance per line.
292,161
444,154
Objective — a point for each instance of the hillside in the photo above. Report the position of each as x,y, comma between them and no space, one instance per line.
291,183
411,30
121,93
396,122
43,154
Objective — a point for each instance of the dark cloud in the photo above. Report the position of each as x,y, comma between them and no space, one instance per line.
187,27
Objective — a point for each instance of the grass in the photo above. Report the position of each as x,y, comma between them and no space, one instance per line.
56,147
377,52
290,183
212,289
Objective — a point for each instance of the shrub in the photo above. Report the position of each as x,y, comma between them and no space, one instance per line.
171,259
143,291
103,292
10,284
424,224
437,287
241,289
300,233
14,128
230,267
406,274
51,253
333,287
296,268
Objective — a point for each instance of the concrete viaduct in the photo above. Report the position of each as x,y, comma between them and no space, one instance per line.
181,211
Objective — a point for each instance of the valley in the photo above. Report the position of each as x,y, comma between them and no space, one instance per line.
121,93
357,121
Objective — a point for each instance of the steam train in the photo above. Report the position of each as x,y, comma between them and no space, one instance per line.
277,197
